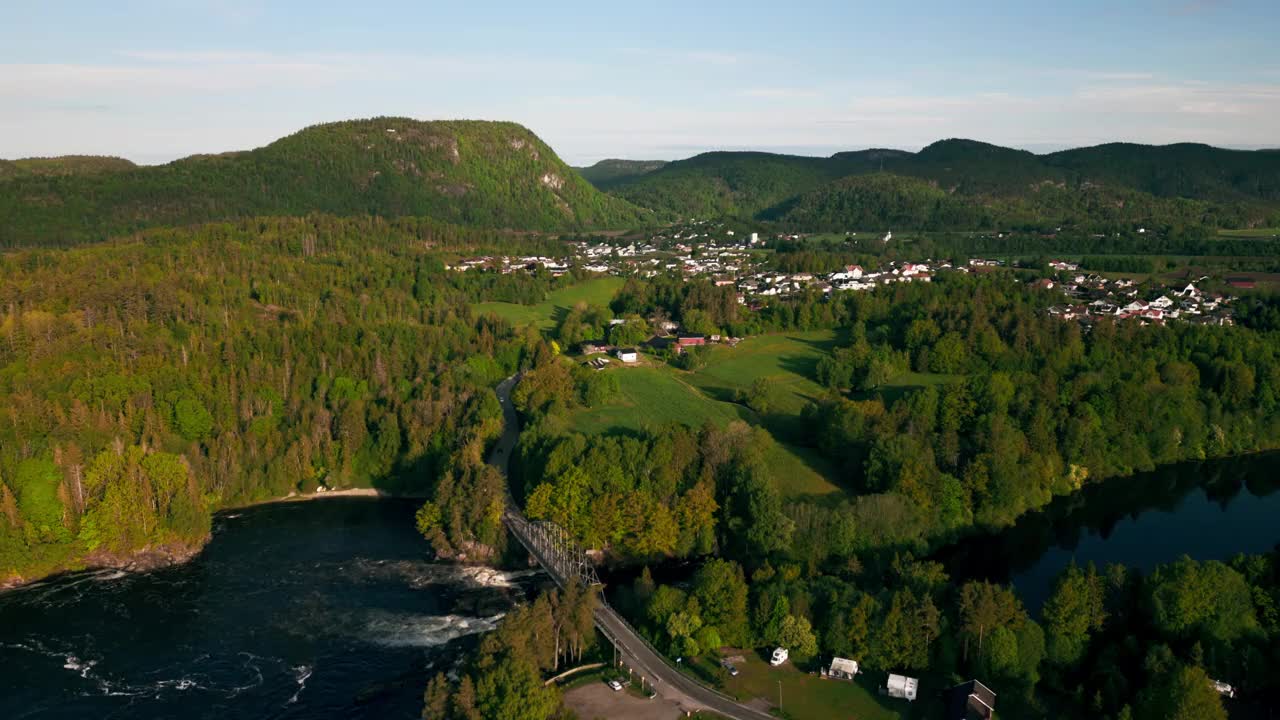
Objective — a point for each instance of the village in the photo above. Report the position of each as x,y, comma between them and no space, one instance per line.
702,251
1092,296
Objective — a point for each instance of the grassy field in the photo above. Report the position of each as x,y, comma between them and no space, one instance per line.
809,697
654,396
1251,233
658,395
786,360
547,313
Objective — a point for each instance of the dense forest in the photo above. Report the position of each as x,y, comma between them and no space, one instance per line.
147,382
607,173
962,184
485,174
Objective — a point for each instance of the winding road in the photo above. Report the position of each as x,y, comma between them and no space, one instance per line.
671,684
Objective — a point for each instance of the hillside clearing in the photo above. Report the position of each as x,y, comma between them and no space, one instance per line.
547,313
655,396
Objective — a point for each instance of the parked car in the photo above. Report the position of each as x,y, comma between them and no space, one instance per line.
617,686
780,656
732,670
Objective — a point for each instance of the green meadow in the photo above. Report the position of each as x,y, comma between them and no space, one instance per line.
787,361
547,313
658,395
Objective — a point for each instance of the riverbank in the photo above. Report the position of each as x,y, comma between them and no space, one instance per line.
346,492
155,557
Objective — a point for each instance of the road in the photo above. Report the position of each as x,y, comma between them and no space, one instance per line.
668,682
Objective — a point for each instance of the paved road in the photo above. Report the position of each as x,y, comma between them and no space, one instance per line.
670,683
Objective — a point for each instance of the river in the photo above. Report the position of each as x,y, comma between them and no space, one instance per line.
323,609
1208,510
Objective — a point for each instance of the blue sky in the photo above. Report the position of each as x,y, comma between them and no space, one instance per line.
158,79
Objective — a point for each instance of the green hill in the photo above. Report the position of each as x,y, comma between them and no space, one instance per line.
730,183
883,201
607,173
965,184
1183,170
64,165
880,200
485,174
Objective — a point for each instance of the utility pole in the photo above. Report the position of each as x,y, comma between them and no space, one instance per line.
779,695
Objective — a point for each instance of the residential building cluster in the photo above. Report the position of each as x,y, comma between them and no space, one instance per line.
1093,296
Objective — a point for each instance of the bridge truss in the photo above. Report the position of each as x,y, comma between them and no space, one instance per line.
554,549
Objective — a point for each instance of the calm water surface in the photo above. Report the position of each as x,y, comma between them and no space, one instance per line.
1209,511
324,609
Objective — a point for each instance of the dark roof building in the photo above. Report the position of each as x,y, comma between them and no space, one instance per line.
971,701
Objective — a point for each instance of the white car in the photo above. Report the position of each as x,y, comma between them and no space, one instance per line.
617,686
780,656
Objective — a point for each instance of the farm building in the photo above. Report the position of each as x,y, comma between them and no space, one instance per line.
628,355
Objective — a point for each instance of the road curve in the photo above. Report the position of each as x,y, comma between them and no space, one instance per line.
668,682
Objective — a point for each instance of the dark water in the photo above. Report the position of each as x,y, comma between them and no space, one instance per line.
1209,511
324,609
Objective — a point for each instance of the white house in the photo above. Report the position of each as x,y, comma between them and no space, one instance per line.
851,272
901,686
628,355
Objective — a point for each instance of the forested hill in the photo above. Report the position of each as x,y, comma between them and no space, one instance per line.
1184,170
732,183
1116,183
63,165
607,173
485,174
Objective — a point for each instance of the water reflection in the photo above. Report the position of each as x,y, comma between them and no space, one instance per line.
1208,510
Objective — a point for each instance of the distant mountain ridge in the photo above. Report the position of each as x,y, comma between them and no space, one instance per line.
1182,183
607,173
476,173
63,165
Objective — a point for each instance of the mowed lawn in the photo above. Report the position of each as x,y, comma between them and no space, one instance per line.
658,395
547,313
652,396
787,361
809,697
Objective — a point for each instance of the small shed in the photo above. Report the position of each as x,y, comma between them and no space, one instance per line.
843,669
901,686
628,355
